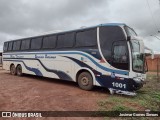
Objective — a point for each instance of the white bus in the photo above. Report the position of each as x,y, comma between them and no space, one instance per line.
108,55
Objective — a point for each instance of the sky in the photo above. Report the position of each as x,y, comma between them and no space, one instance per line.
24,18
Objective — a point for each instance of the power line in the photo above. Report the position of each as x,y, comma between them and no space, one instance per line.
154,21
156,37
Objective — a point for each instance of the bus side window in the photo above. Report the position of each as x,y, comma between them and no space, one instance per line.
86,38
16,45
65,40
108,35
49,42
10,46
36,43
119,54
25,44
5,46
120,58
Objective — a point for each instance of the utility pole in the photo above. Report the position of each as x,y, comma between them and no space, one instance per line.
158,68
158,77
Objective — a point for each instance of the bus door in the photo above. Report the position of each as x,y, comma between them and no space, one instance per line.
120,55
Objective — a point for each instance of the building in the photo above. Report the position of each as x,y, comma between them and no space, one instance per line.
0,57
153,64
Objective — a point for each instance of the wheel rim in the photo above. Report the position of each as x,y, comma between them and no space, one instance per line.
19,70
85,81
13,70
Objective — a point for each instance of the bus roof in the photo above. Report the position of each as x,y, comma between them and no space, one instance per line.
113,24
62,32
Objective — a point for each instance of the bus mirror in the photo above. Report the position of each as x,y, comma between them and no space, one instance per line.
128,38
151,52
142,47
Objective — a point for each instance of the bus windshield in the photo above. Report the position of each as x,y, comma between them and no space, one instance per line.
114,47
137,57
130,31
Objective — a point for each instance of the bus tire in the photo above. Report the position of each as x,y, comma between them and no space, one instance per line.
19,70
13,69
85,81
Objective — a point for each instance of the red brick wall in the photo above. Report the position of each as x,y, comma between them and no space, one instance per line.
152,63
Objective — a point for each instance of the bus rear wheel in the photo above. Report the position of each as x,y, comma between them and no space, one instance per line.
85,81
13,70
19,70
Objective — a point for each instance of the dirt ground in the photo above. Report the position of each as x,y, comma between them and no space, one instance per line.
31,93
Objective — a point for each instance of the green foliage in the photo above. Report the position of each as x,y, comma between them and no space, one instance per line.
122,108
147,98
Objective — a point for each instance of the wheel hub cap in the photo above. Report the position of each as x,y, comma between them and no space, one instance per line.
85,81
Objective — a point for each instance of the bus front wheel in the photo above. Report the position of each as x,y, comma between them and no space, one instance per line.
85,81
19,70
13,70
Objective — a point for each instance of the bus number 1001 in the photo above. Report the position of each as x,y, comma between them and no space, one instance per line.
119,85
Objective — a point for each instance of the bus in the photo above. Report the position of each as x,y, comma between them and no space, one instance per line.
108,55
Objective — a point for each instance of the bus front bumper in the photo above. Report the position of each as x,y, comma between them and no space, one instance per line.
138,83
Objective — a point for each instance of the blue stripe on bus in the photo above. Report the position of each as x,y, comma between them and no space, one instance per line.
60,74
36,71
100,66
103,80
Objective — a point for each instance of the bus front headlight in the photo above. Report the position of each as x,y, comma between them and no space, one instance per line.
138,80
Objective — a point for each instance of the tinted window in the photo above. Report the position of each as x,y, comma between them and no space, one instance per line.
5,47
16,45
25,44
10,46
65,41
86,38
36,43
130,32
120,55
108,35
49,42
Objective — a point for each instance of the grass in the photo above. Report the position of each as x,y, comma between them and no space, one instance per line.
147,98
120,107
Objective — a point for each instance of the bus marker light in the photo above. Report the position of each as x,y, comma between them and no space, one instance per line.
102,61
119,78
113,75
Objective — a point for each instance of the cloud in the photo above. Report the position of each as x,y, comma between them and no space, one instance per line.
23,18
18,16
137,14
5,36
